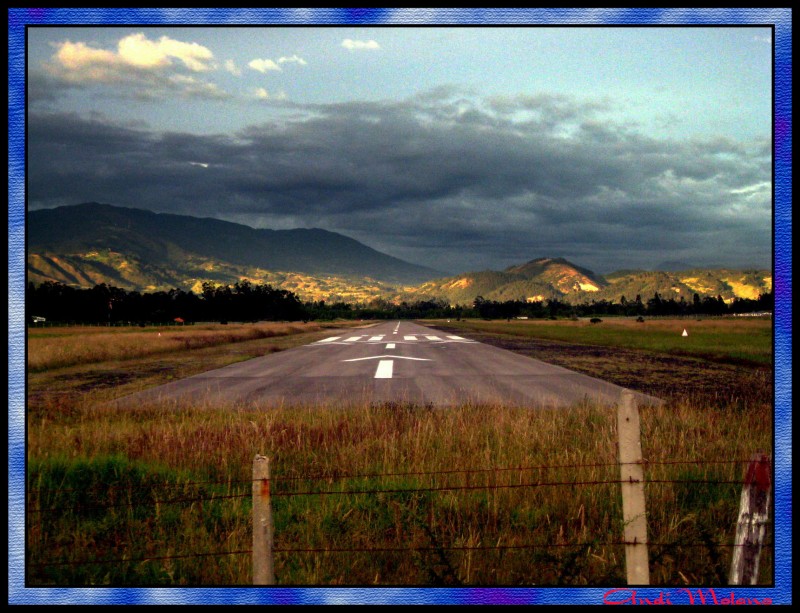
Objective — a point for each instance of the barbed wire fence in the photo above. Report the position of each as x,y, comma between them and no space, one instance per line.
751,525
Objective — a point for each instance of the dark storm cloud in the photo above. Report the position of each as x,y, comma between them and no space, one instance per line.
441,179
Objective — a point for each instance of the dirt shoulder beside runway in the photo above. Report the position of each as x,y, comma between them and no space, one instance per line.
660,375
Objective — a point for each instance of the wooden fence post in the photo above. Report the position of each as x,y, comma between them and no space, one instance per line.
263,569
752,524
634,516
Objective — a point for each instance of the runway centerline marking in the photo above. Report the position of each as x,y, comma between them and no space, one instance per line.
385,368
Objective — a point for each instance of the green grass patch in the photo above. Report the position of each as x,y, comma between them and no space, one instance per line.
727,340
107,520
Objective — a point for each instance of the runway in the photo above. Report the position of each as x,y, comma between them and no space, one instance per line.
399,362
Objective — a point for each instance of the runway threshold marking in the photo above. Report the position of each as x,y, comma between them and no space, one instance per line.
385,369
408,338
390,346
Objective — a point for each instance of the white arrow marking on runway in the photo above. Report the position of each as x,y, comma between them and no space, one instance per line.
378,357
385,368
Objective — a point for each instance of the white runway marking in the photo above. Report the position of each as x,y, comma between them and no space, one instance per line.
412,338
385,368
390,346
396,357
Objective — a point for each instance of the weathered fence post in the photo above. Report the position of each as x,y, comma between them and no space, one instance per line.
632,477
263,569
752,524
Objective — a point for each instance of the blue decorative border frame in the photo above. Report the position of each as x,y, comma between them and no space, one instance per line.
19,19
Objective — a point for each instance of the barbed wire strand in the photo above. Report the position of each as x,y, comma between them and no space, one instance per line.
385,491
408,474
386,549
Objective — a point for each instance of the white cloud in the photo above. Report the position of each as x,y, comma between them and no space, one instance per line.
263,94
232,68
349,43
78,62
137,50
77,56
294,59
263,65
139,67
189,86
761,187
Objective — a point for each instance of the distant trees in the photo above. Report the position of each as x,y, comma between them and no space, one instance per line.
245,301
655,306
104,304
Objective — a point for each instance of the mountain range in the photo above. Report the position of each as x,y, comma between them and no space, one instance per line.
556,278
87,244
130,248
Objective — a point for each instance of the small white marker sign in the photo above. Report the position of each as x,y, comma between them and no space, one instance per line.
685,333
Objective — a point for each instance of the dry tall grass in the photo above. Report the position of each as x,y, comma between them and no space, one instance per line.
562,532
48,349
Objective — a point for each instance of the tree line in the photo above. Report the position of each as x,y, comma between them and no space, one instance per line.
657,306
245,301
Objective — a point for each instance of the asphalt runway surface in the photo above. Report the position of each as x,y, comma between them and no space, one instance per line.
398,362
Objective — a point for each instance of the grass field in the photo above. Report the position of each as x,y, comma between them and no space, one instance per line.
481,495
729,340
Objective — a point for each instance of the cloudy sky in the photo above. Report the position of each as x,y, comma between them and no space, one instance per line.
459,148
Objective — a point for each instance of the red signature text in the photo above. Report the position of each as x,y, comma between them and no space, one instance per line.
683,596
